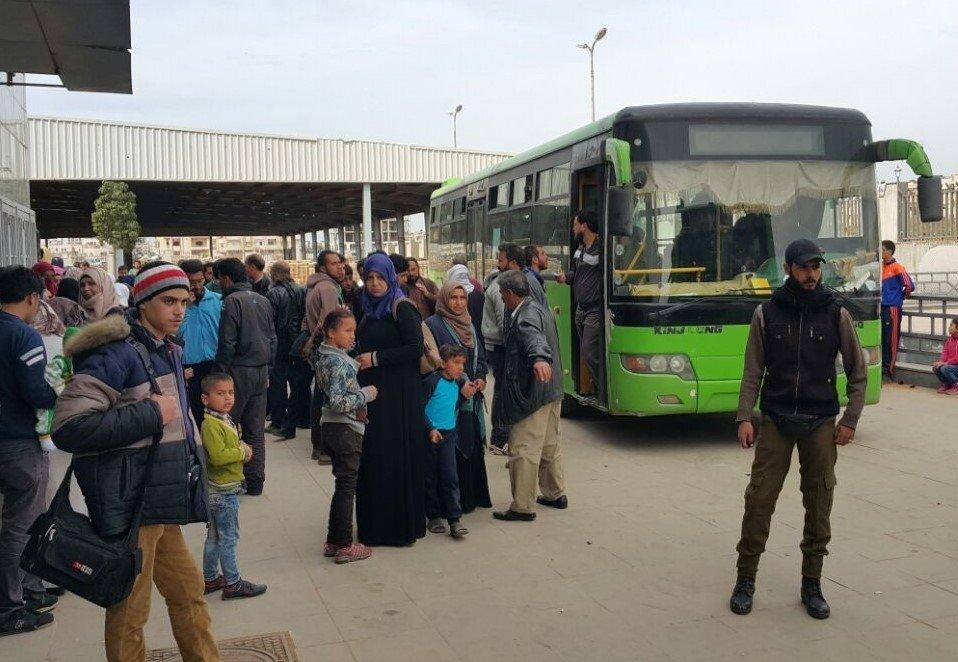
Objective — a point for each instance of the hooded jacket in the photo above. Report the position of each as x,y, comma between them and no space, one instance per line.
323,294
336,375
107,419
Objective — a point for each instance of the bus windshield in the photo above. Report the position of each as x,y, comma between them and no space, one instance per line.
702,228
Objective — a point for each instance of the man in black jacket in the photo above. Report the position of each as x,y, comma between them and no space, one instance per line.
107,417
532,395
247,350
288,299
793,343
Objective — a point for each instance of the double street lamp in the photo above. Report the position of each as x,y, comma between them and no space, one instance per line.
454,112
591,49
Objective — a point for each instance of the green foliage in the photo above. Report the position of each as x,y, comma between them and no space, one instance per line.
114,216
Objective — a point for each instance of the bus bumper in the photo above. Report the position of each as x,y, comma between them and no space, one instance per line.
632,394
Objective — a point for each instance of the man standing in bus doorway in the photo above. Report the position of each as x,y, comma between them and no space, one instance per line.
896,285
790,355
586,280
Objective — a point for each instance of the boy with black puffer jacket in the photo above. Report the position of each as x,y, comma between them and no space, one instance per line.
107,417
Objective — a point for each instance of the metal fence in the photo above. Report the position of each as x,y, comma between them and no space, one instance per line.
18,234
910,225
924,327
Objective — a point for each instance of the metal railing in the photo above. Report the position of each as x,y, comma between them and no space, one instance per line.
936,283
924,327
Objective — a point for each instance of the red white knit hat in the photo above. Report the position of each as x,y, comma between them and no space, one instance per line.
158,278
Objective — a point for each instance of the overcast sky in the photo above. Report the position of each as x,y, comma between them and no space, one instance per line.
392,70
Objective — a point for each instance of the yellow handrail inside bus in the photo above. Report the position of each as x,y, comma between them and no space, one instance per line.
674,270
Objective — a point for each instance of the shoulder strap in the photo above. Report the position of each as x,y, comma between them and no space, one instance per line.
144,355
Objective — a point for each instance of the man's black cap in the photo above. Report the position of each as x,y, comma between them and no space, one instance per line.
803,251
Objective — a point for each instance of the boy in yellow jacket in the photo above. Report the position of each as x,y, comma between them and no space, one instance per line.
225,457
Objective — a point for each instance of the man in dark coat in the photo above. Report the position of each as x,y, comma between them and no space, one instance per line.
247,350
288,299
532,396
108,416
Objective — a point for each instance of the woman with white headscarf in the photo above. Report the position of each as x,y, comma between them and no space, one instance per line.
459,273
122,294
97,295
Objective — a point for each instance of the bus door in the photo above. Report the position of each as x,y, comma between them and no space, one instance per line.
587,189
475,213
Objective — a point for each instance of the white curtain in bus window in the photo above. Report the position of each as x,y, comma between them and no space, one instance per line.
762,186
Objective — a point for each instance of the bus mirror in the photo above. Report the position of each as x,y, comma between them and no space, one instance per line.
620,210
929,199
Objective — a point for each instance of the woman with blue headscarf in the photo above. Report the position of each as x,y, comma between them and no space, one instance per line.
390,493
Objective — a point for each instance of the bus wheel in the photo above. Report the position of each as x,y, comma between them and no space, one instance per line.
570,407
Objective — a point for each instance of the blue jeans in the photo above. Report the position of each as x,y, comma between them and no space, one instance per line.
442,478
221,538
947,374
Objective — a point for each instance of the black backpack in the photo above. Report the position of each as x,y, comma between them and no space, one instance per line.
65,548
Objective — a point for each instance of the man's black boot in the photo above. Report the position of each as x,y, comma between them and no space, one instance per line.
741,600
813,599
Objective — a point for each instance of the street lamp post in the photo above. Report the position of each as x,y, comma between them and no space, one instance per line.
454,112
591,49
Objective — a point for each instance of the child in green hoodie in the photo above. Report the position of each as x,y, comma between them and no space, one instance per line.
225,456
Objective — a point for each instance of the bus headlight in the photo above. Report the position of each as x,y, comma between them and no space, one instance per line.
660,364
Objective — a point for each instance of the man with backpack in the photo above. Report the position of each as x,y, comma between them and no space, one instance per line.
127,387
288,299
790,356
24,467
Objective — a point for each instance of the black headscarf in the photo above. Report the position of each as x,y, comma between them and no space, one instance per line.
69,288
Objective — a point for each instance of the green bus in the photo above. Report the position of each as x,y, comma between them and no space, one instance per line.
696,204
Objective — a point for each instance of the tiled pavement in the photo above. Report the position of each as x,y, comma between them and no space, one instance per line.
639,568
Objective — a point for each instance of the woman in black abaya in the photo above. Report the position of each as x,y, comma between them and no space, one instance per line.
390,501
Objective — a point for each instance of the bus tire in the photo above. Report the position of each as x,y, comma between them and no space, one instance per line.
570,407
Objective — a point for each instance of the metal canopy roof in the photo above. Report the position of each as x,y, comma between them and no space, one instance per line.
202,182
85,42
63,208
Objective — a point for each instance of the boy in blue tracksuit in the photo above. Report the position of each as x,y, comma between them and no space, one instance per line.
24,467
445,390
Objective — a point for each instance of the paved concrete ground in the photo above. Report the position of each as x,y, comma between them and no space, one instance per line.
639,568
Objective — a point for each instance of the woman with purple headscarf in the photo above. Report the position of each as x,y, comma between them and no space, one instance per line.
390,493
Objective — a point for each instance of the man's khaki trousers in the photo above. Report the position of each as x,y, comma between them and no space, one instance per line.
167,562
536,456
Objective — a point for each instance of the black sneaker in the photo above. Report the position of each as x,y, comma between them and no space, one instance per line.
741,600
24,621
243,589
58,591
46,603
561,503
813,599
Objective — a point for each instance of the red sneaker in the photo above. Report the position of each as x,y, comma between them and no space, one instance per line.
330,550
953,390
355,552
943,389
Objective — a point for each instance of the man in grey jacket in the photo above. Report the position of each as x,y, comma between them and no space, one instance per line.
532,395
510,258
247,351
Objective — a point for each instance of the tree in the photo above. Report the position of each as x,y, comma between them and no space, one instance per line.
114,216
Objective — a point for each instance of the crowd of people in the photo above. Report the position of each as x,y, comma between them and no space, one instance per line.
179,374
165,380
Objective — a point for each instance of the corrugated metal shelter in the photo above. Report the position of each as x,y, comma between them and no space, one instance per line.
201,182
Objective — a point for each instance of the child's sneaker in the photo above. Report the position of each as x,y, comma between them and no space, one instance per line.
436,525
355,552
943,388
243,589
457,530
953,390
330,550
214,585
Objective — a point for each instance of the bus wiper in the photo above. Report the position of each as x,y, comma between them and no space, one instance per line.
728,294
